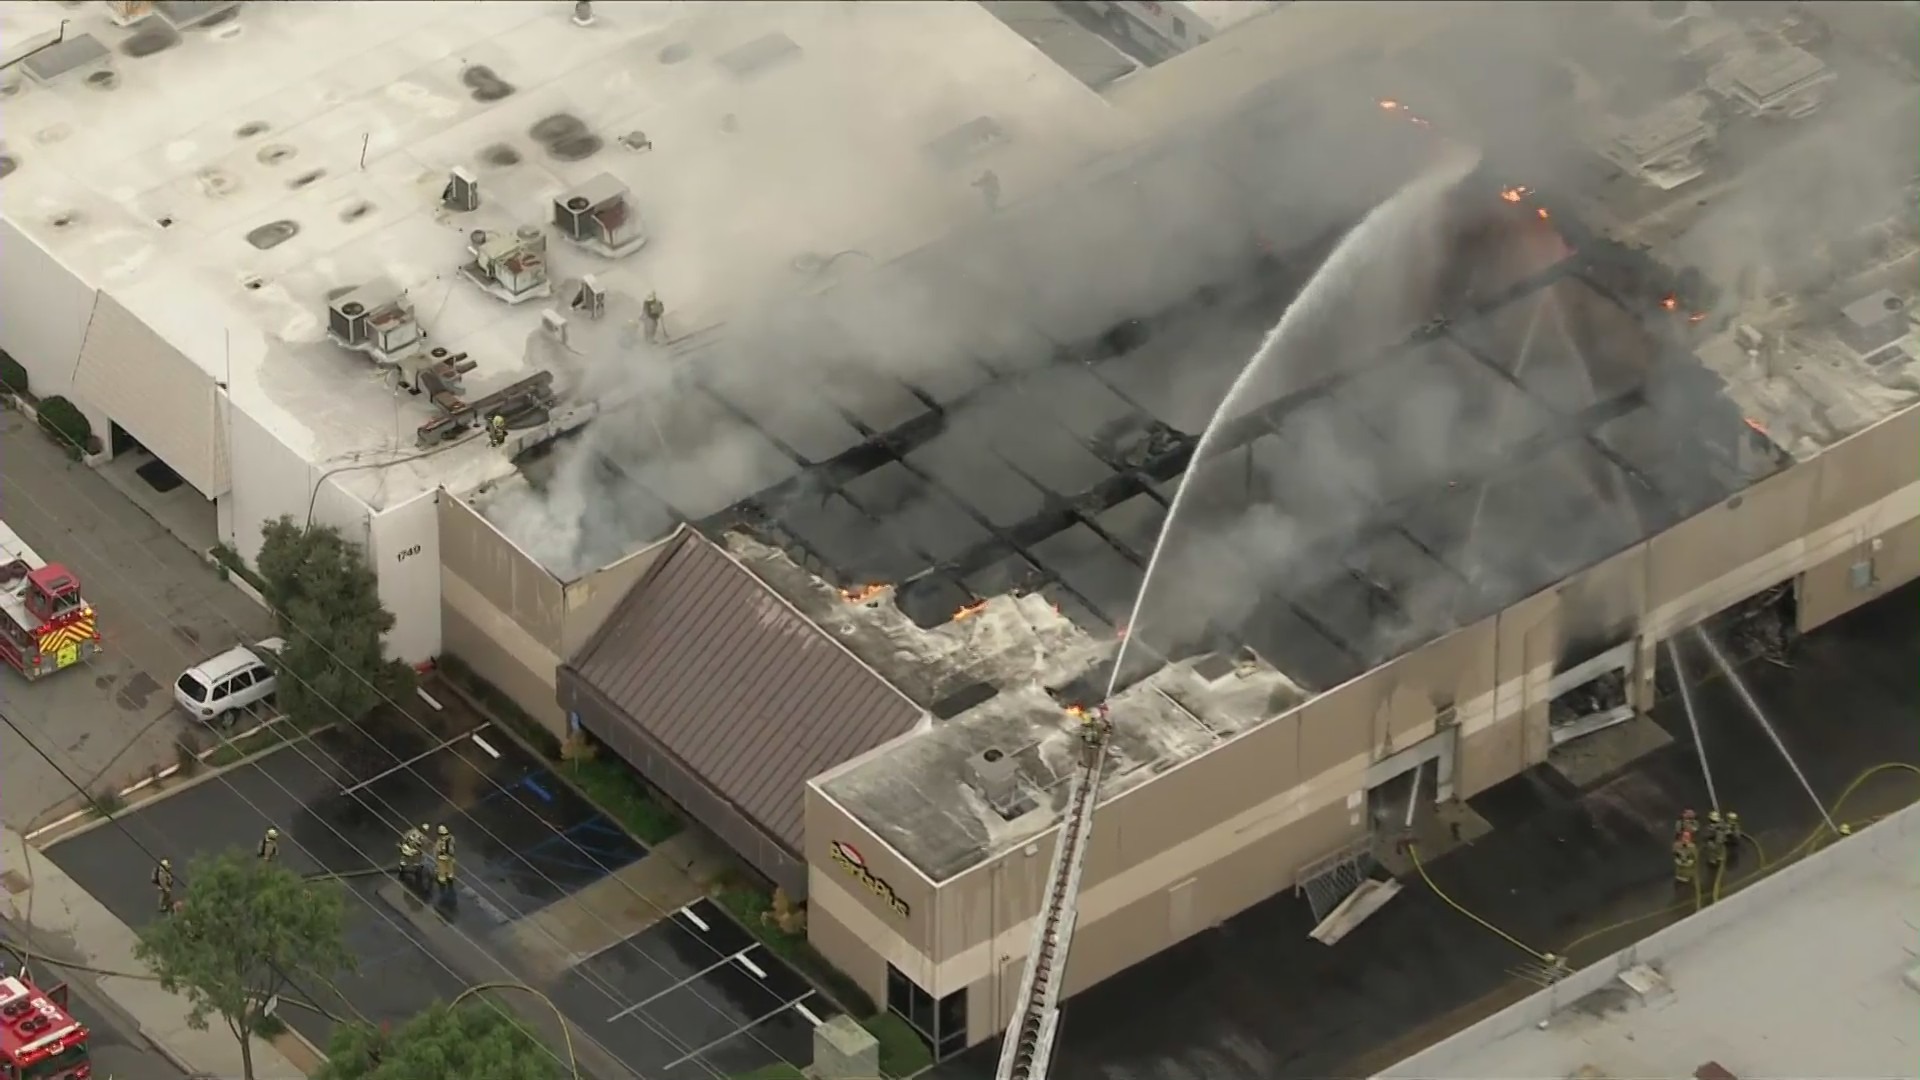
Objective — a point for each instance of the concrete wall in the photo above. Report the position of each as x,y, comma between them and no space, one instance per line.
48,308
270,479
511,620
1228,829
404,546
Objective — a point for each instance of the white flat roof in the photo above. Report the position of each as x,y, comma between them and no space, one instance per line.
1810,973
778,131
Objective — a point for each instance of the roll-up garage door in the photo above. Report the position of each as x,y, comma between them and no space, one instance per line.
160,396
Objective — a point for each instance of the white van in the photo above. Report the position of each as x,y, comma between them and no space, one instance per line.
221,688
1171,27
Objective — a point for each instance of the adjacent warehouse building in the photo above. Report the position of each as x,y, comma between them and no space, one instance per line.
192,196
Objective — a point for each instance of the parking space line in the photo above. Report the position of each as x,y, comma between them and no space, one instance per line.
694,919
688,981
808,1014
428,698
485,745
410,762
743,1029
758,971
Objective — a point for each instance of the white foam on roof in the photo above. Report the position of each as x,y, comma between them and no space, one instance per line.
821,152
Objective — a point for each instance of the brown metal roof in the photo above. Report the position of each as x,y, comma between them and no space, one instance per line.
733,681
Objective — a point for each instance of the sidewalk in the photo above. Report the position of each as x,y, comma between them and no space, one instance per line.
73,922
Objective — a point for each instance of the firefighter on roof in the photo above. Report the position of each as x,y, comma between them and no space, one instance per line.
496,430
270,845
443,858
654,313
163,884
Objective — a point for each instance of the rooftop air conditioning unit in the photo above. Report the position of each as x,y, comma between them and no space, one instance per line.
509,266
597,217
462,192
997,780
375,319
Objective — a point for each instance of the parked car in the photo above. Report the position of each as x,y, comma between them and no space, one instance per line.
221,688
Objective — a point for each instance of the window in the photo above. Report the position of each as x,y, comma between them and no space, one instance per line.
240,682
221,690
942,1024
193,688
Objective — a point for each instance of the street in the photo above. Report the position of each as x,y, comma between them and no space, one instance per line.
118,1050
1257,999
684,993
161,609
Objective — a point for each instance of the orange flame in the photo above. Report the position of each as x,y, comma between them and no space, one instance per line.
1390,105
968,611
862,593
1516,193
1077,712
1759,428
1544,216
1670,301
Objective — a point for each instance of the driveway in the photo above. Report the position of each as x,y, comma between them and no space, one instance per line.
161,609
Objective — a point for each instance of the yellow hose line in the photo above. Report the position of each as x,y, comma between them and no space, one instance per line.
1762,868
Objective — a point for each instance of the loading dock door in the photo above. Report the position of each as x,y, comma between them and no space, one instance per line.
160,396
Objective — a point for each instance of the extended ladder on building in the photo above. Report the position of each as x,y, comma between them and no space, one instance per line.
1028,1045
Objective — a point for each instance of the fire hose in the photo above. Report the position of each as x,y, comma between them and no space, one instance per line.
1821,834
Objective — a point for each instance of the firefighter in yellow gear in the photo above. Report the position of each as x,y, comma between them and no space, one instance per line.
163,884
496,430
411,843
1714,844
270,846
1685,858
443,857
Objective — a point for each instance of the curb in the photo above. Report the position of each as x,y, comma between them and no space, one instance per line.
58,832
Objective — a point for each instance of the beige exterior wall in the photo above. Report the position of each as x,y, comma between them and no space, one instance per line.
512,621
1228,829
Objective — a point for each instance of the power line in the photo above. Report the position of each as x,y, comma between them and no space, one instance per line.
598,983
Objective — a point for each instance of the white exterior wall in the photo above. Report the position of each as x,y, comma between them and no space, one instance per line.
270,479
45,319
404,545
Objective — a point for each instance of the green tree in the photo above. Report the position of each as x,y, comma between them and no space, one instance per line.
474,1041
327,602
243,928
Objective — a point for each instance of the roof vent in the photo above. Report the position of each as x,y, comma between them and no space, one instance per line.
509,266
462,192
583,13
63,55
555,324
596,216
997,781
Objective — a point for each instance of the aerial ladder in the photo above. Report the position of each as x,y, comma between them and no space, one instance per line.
1028,1047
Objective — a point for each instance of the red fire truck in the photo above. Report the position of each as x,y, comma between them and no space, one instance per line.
39,1040
48,625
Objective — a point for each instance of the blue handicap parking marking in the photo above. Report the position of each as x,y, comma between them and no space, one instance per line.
534,786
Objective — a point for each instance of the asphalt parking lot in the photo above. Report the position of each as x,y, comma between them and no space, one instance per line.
701,999
1256,999
691,996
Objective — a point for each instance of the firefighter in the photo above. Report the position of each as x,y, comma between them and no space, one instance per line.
1685,823
1714,843
496,430
1685,857
410,844
423,862
654,313
988,185
270,845
1733,838
443,858
163,884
